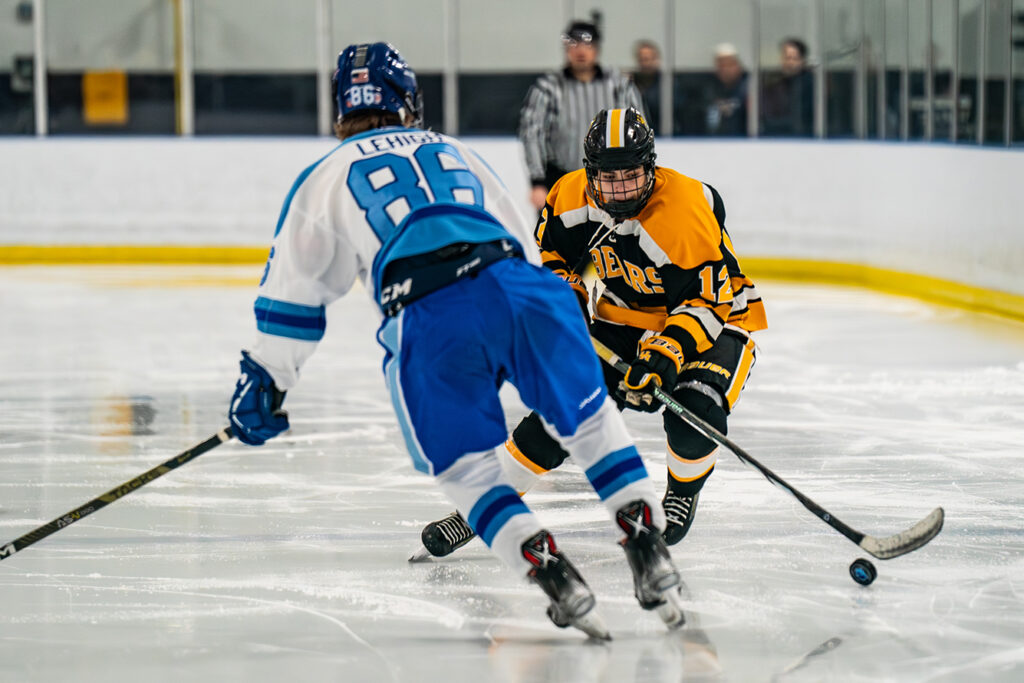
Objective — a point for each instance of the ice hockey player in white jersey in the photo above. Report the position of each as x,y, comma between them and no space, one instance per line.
453,267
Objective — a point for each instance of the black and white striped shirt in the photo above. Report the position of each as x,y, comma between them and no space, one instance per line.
557,113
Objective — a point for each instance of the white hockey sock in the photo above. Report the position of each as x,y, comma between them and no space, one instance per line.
483,493
605,451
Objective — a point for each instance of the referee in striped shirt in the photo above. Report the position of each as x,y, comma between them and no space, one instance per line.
560,105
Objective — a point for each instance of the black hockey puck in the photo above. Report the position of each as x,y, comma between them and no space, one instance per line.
863,572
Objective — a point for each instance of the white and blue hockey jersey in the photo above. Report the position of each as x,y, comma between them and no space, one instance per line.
343,209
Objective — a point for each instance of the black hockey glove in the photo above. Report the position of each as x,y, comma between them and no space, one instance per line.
657,364
255,410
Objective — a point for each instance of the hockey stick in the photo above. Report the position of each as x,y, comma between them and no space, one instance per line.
883,548
115,493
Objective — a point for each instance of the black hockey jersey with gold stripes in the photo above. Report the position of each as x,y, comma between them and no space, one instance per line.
671,268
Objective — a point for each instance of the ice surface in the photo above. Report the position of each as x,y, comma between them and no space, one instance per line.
289,561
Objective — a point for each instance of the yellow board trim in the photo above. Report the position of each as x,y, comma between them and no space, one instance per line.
893,282
924,287
17,255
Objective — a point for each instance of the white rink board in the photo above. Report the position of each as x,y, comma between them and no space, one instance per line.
940,210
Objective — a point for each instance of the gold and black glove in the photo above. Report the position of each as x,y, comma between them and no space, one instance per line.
657,364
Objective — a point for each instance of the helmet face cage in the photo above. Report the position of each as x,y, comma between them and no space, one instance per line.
619,140
374,76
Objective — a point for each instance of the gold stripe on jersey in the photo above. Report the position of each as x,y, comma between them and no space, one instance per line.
618,315
732,394
689,324
712,317
690,470
551,257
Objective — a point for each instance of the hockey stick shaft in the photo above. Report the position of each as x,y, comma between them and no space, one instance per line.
115,494
882,548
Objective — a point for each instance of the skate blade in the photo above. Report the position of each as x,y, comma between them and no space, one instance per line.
671,611
593,625
421,555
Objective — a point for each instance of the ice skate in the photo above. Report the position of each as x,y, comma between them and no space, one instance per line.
679,513
655,579
443,537
572,602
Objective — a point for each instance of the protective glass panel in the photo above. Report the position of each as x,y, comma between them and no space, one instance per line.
876,121
713,50
498,60
897,69
1017,73
787,92
945,45
919,38
417,29
110,66
17,61
622,25
998,55
969,66
843,52
255,67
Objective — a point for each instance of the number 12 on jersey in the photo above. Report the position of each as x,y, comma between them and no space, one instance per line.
712,289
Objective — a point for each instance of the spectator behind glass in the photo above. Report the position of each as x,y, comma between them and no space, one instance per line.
560,106
647,79
788,103
726,97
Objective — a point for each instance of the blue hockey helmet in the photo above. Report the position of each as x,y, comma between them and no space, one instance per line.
374,76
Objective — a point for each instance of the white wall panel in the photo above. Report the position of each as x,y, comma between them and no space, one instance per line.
949,212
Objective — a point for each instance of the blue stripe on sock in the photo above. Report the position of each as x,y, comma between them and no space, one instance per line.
615,471
493,510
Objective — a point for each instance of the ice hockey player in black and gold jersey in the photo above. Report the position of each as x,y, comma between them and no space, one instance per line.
674,302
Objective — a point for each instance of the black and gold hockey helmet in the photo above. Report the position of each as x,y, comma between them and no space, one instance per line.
619,140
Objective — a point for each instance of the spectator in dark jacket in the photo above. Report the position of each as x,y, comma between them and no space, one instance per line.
726,97
788,104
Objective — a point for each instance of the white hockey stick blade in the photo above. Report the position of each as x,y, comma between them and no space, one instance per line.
421,555
905,541
671,612
593,625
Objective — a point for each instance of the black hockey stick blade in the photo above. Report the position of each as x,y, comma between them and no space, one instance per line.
115,494
882,548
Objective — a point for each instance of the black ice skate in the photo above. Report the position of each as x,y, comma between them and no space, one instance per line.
443,537
572,602
655,579
679,513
